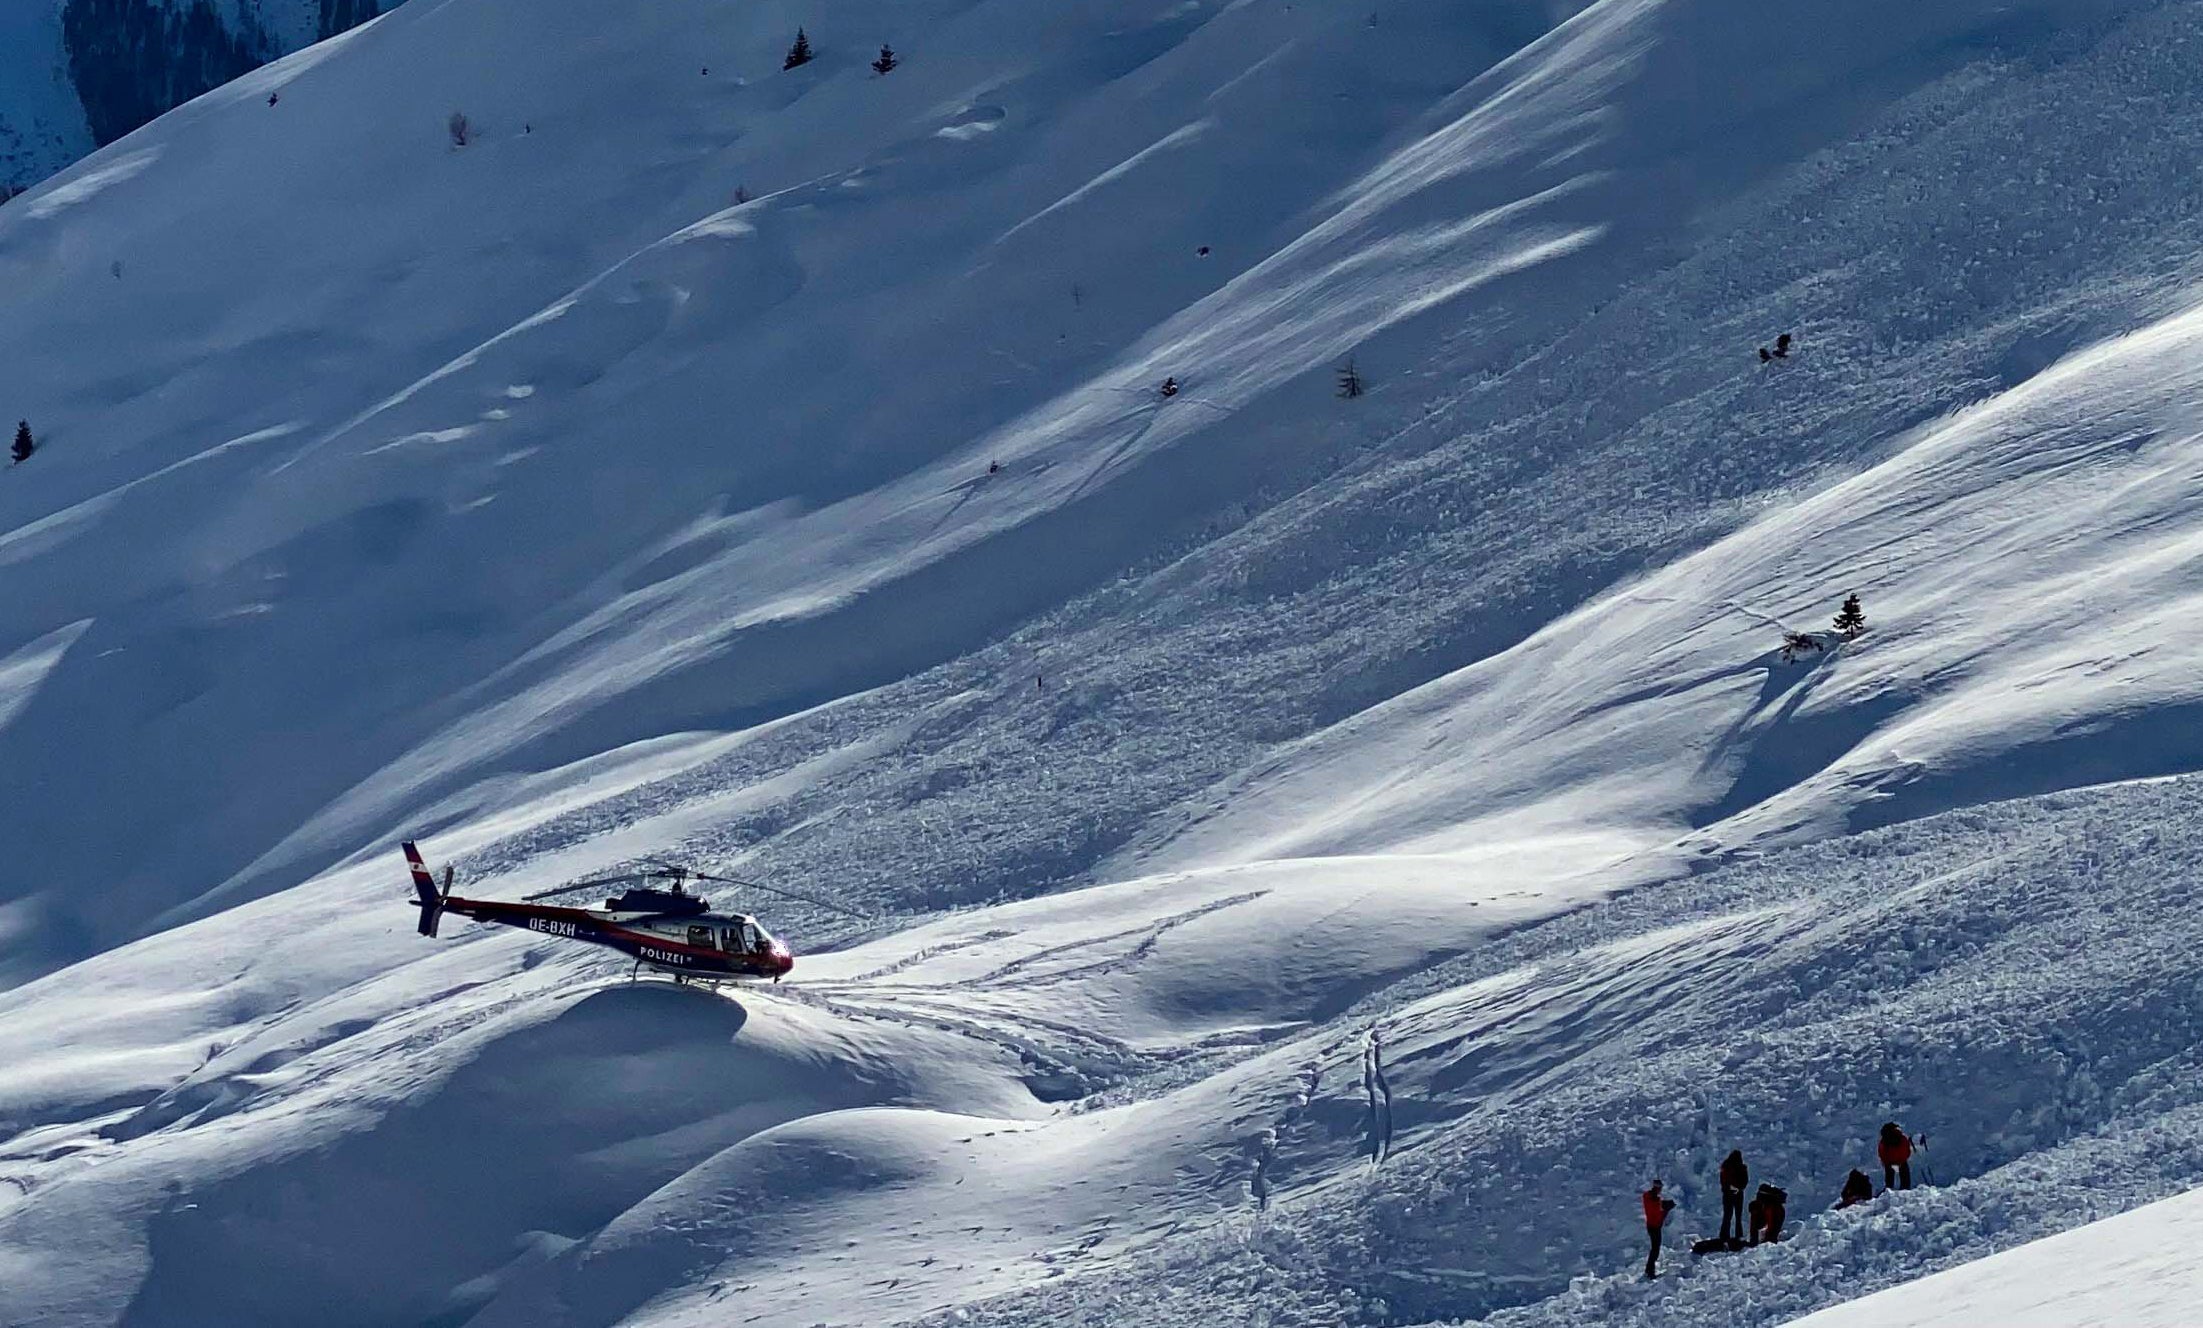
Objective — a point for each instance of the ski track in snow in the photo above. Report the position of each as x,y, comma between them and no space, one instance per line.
1380,1098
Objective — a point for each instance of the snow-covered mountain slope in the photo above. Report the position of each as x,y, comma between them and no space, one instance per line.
357,619
1330,851
2031,558
75,74
2010,980
1095,1108
2136,1270
583,468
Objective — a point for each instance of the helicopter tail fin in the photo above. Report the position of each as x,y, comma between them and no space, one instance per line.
429,899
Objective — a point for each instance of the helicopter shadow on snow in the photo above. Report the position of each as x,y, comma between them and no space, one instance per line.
700,1009
555,1126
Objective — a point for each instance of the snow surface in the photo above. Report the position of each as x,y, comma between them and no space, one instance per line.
1325,855
2136,1270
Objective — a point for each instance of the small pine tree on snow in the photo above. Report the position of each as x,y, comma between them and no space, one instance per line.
800,53
24,444
1795,644
1851,619
461,130
886,61
1350,381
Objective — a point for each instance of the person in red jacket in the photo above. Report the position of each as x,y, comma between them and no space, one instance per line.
1656,1217
1734,1176
1895,1150
1773,1205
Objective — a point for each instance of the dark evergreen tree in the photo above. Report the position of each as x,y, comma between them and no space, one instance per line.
130,60
1851,619
800,53
1350,381
886,61
24,444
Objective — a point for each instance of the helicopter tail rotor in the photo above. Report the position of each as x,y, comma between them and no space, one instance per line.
430,900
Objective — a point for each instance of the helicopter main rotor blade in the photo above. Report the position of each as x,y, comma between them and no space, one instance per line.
662,872
593,883
784,892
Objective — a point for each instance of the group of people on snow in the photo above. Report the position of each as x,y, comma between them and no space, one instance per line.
1760,1221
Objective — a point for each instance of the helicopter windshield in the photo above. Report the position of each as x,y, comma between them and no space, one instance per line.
743,938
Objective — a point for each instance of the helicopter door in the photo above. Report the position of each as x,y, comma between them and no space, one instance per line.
700,937
731,940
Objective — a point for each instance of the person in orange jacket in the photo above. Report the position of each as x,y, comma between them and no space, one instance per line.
1895,1150
1656,1217
1734,1176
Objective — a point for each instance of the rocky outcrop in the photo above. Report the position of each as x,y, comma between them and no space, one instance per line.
130,60
343,15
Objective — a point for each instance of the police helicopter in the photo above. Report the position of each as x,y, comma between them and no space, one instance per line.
668,929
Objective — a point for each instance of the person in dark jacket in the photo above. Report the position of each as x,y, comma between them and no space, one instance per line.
1656,1217
1857,1189
1895,1150
1773,1207
1734,1176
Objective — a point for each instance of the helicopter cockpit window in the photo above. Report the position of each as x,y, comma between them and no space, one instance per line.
752,939
700,937
730,940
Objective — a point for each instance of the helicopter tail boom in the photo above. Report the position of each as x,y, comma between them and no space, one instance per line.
429,899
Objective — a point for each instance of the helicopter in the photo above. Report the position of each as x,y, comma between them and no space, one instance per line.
668,929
